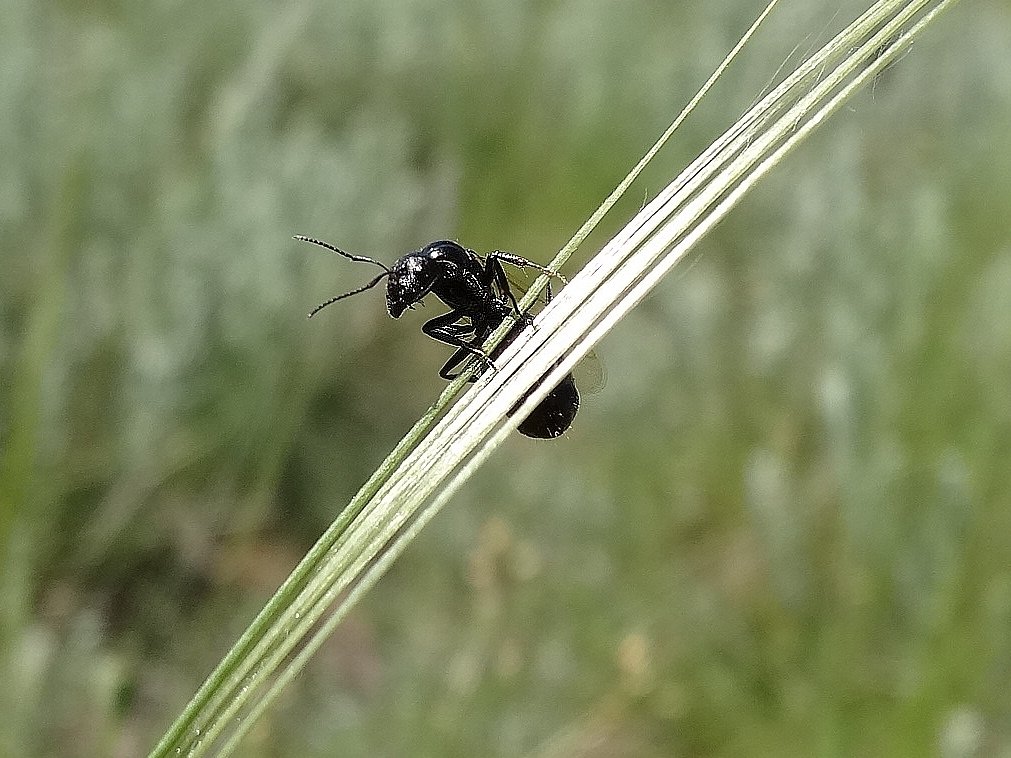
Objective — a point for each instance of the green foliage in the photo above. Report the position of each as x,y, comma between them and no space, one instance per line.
782,527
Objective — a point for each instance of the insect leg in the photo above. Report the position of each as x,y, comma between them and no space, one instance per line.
449,371
520,262
480,329
496,274
447,329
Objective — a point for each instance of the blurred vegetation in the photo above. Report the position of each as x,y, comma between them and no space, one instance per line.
784,526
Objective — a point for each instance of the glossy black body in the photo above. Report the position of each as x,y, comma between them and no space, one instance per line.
479,297
553,416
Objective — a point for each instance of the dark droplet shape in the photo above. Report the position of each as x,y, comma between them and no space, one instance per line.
553,417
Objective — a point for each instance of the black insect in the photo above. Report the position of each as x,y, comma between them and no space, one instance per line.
480,299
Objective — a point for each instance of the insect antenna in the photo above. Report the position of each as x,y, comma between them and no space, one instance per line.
333,300
357,259
328,246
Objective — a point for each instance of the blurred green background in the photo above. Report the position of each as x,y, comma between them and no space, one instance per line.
782,528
